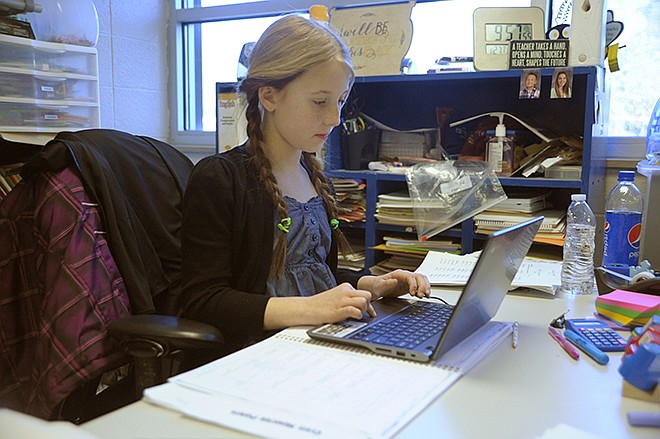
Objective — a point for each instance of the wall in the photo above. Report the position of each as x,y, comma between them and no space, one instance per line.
133,68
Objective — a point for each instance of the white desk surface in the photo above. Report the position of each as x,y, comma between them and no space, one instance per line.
512,393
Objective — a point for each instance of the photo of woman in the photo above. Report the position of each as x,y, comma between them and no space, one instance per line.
561,85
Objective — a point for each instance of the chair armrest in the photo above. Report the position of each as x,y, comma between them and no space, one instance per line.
156,342
172,333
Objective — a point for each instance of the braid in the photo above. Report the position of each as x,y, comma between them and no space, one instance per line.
267,179
253,116
323,189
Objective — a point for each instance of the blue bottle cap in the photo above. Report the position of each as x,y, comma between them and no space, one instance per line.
626,175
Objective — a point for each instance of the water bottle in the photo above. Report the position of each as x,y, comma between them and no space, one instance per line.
623,225
577,270
653,137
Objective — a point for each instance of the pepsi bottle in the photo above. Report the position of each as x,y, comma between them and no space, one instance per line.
623,225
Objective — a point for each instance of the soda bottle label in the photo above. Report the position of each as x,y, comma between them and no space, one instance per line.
621,239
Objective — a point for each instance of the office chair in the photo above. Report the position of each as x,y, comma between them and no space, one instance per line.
89,274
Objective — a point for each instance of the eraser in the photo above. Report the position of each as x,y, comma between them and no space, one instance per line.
644,419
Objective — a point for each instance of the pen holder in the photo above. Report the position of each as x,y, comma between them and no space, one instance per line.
360,148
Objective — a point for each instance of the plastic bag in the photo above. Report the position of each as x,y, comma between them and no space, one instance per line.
446,193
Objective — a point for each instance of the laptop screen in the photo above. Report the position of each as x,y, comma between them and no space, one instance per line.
489,282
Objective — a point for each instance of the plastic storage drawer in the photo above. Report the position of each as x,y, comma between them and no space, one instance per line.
47,87
31,117
22,54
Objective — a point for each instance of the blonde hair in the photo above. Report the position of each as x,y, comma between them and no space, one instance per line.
287,49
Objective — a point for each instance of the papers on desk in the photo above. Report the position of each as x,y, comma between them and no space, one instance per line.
446,269
289,386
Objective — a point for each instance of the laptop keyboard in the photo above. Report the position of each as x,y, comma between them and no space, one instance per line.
409,328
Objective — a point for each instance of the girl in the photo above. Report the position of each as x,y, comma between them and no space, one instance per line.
260,230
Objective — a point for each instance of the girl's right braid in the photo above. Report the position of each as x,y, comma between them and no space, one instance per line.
260,161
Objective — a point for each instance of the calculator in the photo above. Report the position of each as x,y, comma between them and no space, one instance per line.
597,332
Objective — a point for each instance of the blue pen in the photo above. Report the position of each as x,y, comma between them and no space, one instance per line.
589,348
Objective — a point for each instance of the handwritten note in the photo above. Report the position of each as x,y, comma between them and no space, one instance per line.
454,270
378,36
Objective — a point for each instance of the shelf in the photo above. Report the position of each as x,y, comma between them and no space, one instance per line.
460,76
504,181
409,102
50,103
46,46
41,74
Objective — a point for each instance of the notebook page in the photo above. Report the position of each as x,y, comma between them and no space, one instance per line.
313,382
454,270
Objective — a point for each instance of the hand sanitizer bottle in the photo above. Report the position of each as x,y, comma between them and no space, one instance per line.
499,149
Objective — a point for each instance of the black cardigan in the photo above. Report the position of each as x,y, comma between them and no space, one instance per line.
227,245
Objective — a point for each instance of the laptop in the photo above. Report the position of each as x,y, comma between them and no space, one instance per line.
423,330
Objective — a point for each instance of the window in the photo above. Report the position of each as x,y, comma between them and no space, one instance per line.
633,90
208,36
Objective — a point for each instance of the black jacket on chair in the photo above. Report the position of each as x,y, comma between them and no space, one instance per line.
91,238
139,182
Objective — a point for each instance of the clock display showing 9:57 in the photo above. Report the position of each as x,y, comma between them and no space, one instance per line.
494,28
503,33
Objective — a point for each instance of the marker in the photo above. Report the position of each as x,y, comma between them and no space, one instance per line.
570,350
586,346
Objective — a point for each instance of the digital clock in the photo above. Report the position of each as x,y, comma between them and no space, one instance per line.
494,28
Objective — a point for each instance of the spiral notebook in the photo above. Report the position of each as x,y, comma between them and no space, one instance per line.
553,220
290,386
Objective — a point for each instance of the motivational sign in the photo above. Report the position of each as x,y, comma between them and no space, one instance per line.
538,53
378,36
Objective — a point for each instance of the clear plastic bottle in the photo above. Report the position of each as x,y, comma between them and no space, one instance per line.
623,225
499,150
653,136
577,270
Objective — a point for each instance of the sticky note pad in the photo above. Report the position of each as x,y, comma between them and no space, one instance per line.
627,307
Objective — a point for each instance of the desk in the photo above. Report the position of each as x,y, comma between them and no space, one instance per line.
512,393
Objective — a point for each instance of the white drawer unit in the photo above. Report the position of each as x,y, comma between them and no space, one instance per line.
47,87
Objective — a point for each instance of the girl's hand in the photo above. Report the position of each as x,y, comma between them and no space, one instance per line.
340,303
395,284
331,306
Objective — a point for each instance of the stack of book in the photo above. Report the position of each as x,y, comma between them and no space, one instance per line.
9,178
396,245
396,209
408,254
353,260
524,201
351,199
394,262
519,207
